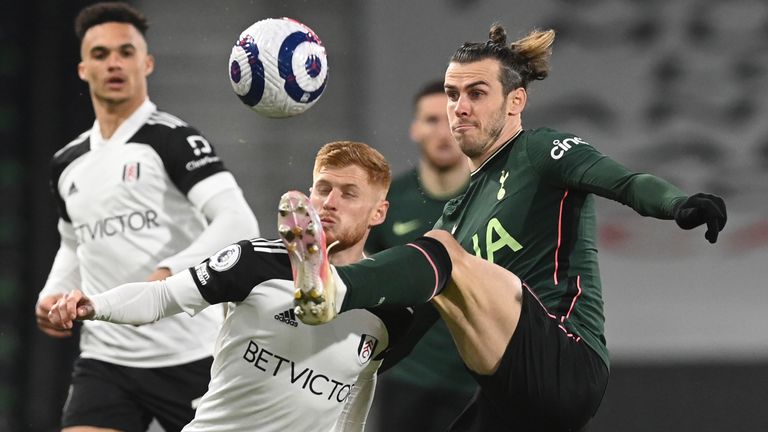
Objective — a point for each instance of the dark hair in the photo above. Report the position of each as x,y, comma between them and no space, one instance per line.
430,88
105,12
521,61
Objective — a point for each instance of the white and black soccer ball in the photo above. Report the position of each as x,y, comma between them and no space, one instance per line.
278,67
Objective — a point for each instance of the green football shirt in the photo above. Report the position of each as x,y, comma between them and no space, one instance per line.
434,361
530,209
412,212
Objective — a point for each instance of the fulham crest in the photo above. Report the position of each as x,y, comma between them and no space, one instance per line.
366,348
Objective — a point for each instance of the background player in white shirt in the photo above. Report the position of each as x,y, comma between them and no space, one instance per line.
271,372
141,195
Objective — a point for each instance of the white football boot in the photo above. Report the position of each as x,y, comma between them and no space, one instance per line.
302,233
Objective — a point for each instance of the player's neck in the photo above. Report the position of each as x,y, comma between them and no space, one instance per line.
111,115
443,182
347,256
510,132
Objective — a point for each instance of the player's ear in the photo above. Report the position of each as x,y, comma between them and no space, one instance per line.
149,64
81,71
516,100
379,213
414,132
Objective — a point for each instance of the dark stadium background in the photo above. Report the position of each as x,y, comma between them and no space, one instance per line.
675,88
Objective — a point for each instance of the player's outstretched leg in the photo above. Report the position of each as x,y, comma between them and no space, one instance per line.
302,233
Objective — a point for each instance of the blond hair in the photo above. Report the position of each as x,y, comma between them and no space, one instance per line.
341,154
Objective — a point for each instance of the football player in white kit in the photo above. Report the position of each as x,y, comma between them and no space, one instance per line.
271,372
141,195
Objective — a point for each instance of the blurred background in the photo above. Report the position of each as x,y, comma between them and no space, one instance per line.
678,89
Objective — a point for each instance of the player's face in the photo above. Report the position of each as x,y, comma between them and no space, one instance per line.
348,204
115,63
477,108
430,129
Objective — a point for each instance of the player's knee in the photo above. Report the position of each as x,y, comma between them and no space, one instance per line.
468,267
455,251
515,285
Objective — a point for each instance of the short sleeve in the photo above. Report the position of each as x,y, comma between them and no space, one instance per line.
188,156
231,273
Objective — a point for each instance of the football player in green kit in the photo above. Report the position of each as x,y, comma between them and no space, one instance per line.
512,264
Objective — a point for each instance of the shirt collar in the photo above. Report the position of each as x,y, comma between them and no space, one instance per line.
126,130
497,151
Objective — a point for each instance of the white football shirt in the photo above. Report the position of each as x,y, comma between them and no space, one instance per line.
128,201
271,372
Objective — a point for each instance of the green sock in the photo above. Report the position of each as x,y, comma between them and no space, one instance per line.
406,275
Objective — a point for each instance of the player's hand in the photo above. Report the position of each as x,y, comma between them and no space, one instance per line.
72,306
702,209
43,323
159,274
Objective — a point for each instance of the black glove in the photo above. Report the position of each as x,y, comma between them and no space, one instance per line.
700,209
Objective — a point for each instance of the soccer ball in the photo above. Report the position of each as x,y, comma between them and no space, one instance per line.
278,67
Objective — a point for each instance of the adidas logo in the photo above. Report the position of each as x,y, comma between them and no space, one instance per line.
288,317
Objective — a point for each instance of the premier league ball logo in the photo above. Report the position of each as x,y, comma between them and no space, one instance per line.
278,67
